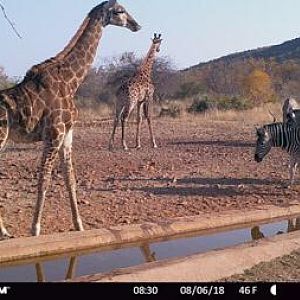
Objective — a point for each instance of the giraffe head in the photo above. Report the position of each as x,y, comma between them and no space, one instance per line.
117,15
157,41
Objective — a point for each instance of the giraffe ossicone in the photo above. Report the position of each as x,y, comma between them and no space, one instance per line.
41,107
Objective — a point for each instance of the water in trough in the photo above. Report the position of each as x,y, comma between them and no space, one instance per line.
106,261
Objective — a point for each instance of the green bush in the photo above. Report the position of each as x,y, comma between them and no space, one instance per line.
235,103
201,105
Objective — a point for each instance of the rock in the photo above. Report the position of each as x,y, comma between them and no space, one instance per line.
85,202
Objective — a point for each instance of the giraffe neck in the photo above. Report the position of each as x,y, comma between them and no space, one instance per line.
62,54
76,58
76,63
148,62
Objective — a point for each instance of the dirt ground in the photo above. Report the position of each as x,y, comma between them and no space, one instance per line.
286,268
200,167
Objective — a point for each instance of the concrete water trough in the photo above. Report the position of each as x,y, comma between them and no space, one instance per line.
21,251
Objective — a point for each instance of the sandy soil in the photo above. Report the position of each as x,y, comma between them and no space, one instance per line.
200,167
286,268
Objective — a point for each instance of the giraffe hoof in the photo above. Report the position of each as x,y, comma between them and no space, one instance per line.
36,229
79,226
138,147
155,146
6,235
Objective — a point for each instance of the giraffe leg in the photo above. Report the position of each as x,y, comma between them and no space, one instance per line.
50,154
71,272
148,117
70,180
123,121
3,129
138,128
124,118
3,231
3,140
116,123
112,137
39,270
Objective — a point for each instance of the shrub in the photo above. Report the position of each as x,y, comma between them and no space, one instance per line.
201,105
235,103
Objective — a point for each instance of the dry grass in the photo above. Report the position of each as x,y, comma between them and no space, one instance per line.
99,112
258,115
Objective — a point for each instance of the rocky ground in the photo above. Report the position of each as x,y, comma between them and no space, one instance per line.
286,268
200,167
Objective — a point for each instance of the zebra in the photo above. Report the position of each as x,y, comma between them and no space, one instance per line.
289,107
279,135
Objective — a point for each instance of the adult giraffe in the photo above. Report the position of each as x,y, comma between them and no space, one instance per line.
41,107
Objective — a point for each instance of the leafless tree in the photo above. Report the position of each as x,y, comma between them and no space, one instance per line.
10,22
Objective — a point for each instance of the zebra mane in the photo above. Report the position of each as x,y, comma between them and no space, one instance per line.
282,133
274,124
281,125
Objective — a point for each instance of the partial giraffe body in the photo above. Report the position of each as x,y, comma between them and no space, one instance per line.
280,135
289,105
41,107
137,91
293,117
291,112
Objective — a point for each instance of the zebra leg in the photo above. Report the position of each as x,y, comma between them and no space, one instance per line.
292,169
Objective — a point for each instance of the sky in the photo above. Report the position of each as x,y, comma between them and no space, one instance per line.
194,31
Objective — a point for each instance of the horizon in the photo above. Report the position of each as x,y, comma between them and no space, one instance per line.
203,45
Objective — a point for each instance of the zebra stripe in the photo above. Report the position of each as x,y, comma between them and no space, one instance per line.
284,136
280,135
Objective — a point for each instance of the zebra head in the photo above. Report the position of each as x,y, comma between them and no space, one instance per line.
263,144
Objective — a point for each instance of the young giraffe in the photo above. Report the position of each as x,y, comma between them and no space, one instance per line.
139,91
41,107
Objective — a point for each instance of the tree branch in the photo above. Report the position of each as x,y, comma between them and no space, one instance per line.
9,21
